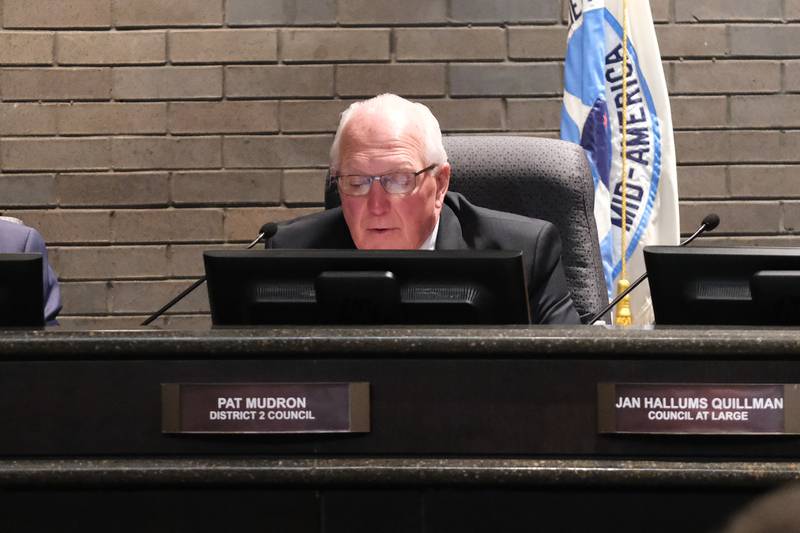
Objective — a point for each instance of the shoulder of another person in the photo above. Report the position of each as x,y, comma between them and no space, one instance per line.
14,237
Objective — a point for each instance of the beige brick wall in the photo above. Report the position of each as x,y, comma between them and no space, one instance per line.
136,133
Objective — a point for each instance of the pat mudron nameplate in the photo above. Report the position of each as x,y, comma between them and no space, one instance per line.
699,408
265,407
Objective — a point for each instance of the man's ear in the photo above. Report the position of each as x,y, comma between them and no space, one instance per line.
442,183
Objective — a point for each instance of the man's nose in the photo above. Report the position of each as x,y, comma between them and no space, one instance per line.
377,199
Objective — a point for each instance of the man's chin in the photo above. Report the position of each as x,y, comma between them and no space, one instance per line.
388,240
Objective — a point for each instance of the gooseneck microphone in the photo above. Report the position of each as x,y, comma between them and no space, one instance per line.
266,232
709,223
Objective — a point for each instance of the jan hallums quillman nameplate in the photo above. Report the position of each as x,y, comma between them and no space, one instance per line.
699,408
265,407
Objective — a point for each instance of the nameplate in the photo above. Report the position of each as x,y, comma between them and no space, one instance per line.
265,407
699,408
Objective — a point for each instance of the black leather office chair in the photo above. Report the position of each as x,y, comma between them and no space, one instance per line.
540,178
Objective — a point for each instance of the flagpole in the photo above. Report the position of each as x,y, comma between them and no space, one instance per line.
623,314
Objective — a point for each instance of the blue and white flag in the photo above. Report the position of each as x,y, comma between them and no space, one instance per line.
591,116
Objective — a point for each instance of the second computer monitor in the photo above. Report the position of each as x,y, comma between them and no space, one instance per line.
366,287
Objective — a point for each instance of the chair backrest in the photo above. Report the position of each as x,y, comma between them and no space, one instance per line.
541,178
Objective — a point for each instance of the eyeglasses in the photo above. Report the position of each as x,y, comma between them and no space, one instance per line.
398,183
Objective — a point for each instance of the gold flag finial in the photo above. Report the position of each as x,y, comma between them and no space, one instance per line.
622,317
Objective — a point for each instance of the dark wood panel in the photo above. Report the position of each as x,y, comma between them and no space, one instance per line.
434,407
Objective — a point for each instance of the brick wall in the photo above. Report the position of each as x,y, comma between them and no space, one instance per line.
136,133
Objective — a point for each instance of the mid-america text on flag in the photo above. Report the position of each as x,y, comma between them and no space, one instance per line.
592,115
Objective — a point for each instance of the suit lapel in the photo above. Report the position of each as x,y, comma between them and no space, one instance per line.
450,236
341,237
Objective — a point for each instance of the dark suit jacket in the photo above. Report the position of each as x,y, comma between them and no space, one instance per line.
464,226
17,238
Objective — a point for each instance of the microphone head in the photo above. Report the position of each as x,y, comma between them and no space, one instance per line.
268,230
711,221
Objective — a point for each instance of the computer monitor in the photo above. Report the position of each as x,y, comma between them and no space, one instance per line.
724,286
21,300
366,287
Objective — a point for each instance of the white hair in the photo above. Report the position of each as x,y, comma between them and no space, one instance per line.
391,104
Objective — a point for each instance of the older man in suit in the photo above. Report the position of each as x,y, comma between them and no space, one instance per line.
391,169
15,237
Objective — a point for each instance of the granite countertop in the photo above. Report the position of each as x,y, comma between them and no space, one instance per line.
541,341
373,472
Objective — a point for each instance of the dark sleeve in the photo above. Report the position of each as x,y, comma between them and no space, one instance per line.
52,292
550,299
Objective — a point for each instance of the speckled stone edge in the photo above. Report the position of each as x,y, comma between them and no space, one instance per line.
419,342
302,472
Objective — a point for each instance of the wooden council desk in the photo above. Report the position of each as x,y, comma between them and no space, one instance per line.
472,429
